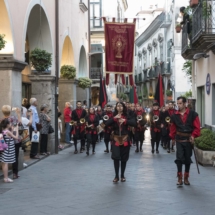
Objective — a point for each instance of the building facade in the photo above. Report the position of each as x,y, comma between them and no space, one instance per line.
98,9
158,51
30,24
199,48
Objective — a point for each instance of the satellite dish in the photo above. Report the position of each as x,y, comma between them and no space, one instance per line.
200,55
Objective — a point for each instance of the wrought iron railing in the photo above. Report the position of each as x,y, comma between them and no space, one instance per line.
203,19
135,78
145,74
95,72
140,77
185,41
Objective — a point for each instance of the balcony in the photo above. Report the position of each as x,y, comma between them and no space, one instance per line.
203,25
135,79
95,72
186,50
145,78
140,77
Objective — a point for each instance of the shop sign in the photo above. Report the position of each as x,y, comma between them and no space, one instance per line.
208,84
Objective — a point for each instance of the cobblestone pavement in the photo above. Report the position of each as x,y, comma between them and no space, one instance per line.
70,184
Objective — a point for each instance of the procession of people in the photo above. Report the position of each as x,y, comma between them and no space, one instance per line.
124,124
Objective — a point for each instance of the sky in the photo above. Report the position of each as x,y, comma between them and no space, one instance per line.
134,6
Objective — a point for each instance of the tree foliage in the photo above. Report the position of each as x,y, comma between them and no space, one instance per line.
187,69
187,94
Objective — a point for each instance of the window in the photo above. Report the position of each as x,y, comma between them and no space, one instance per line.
95,14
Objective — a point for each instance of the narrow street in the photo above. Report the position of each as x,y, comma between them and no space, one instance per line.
77,184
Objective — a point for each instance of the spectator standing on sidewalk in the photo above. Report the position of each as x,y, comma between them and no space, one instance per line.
45,122
59,131
8,155
14,121
35,120
67,119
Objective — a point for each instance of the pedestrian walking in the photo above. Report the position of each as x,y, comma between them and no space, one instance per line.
121,142
185,127
67,120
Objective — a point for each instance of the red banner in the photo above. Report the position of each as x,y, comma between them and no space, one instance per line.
119,47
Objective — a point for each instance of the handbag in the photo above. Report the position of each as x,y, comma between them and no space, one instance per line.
35,137
51,129
20,128
3,145
25,138
39,126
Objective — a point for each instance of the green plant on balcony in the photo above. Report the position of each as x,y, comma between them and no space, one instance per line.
68,72
40,59
178,28
206,9
206,141
187,94
84,83
2,41
169,93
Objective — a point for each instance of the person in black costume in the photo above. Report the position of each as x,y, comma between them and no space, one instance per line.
155,127
99,112
79,127
107,129
132,114
92,121
140,128
120,143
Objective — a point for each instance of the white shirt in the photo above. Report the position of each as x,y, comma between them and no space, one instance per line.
24,111
25,123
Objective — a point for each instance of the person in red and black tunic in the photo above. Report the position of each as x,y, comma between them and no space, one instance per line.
107,129
99,112
155,127
168,113
120,143
79,128
139,131
92,121
185,127
132,114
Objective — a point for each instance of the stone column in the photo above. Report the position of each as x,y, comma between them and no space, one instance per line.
10,81
43,89
83,94
67,93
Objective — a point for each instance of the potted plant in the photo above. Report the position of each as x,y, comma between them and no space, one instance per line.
68,72
40,59
2,41
194,3
169,94
205,147
178,28
150,95
206,9
84,83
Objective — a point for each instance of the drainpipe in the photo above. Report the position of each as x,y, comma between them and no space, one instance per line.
89,51
56,71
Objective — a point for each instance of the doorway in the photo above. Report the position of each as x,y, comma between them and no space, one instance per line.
201,104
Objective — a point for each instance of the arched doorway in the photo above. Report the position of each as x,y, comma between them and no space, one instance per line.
67,88
5,27
83,63
37,35
67,53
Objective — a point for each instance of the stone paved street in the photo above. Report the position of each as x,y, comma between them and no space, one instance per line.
71,184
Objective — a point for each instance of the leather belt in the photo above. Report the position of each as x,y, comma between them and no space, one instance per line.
183,134
183,141
120,139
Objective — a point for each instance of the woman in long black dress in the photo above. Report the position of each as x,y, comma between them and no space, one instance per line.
120,142
92,121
